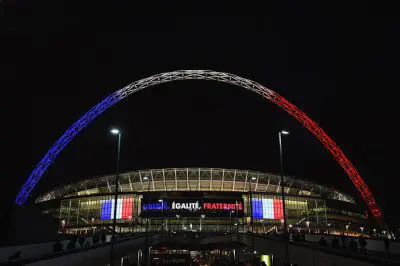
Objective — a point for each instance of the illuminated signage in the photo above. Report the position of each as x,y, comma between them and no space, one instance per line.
222,206
267,208
194,207
191,206
154,206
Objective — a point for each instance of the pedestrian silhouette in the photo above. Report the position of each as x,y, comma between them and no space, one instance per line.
363,244
353,245
71,244
387,245
303,237
335,242
344,241
322,242
57,247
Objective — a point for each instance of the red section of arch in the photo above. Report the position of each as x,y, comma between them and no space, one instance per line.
333,148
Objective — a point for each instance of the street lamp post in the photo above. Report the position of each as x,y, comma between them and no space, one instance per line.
251,216
283,132
115,132
162,219
201,218
147,221
200,224
162,216
178,216
230,221
237,219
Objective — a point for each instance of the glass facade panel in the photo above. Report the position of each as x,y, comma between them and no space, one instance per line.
96,210
298,209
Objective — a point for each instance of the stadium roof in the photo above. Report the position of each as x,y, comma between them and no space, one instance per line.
195,179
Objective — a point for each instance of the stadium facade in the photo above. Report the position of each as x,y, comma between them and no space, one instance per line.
200,199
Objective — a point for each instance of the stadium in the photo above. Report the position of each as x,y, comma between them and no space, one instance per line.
200,199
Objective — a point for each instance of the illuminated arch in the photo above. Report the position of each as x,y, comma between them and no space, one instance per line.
203,75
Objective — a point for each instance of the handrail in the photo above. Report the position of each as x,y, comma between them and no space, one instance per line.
330,250
70,251
308,245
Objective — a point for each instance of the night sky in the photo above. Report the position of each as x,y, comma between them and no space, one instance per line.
340,70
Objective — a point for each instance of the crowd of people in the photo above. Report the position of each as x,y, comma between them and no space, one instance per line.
351,243
74,242
341,242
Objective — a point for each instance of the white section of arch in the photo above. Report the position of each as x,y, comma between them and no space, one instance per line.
195,74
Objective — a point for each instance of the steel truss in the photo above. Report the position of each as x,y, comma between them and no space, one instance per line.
200,75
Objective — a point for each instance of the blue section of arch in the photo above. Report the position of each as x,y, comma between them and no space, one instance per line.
62,142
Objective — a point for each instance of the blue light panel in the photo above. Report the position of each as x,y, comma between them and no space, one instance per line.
257,208
106,209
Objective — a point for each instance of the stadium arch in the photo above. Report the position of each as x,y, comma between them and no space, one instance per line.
253,86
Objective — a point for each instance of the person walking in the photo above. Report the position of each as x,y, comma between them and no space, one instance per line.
353,245
322,242
57,247
335,242
344,241
386,241
363,244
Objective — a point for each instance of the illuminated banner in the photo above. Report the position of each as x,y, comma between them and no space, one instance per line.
223,206
157,206
267,208
124,209
194,207
191,206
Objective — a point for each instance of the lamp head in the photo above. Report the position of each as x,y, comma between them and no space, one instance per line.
160,200
284,132
253,178
115,131
145,178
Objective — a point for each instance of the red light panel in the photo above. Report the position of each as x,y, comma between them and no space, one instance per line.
278,209
127,207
